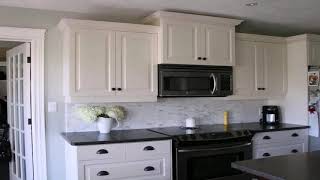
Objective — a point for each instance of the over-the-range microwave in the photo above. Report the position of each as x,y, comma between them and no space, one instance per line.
194,81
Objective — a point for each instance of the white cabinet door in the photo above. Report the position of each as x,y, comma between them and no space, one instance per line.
136,64
244,68
92,65
275,57
219,45
260,70
314,59
181,43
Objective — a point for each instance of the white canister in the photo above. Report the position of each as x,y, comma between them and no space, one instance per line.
190,123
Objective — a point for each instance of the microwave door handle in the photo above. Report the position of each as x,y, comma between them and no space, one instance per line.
214,81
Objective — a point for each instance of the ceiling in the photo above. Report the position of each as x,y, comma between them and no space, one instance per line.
273,17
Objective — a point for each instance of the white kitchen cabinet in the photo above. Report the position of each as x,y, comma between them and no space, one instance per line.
277,143
314,54
92,65
181,43
261,67
195,39
219,45
123,161
244,68
136,61
109,62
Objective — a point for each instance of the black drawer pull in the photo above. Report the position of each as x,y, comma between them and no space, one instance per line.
102,151
294,151
295,135
261,89
103,173
199,58
266,137
149,168
113,89
119,89
204,59
148,148
266,155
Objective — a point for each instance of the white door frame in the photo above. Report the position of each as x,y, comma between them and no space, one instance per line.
36,38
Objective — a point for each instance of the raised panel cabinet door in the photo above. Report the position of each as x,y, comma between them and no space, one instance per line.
219,45
275,56
244,68
314,54
260,70
93,69
136,62
181,43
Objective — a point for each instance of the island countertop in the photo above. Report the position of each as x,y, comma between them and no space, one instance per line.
304,166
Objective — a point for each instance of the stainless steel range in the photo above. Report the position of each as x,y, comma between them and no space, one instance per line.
206,153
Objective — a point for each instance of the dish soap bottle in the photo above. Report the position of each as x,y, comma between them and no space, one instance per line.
226,118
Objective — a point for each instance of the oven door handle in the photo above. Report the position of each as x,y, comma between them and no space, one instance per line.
214,149
214,81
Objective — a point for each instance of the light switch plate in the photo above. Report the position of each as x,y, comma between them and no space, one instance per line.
52,107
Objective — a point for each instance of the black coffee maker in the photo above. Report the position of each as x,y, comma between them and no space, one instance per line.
270,115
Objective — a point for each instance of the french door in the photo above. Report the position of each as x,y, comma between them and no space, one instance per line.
19,112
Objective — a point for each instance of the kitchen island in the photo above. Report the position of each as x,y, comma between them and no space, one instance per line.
304,166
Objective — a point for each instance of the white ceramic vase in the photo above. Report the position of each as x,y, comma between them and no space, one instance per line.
105,124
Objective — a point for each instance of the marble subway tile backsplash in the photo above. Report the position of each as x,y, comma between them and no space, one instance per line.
172,112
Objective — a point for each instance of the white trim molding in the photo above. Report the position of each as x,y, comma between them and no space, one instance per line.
36,37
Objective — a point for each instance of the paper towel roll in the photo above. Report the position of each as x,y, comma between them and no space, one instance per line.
190,123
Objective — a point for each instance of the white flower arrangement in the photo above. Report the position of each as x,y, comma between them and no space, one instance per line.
91,113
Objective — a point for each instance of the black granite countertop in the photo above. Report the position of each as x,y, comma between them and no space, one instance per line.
304,166
118,136
253,127
135,135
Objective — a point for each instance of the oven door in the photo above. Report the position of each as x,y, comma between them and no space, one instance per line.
185,83
210,162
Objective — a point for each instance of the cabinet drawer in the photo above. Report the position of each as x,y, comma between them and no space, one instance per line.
278,151
143,150
112,152
124,171
285,136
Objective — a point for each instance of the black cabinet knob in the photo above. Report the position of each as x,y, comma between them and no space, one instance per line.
204,58
266,155
261,89
113,89
266,137
103,173
294,151
149,168
102,151
295,135
199,58
148,148
119,89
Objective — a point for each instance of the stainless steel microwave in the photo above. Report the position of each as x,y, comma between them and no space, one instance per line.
194,80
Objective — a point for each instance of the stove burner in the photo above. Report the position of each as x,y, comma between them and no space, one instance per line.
189,128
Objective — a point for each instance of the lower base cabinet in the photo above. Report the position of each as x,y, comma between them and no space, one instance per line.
149,160
270,144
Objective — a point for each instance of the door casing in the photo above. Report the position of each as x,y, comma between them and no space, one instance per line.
36,38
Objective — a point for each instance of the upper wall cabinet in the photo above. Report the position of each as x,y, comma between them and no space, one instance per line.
109,62
195,39
261,66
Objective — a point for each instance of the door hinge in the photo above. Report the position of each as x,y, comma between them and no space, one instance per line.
29,121
28,59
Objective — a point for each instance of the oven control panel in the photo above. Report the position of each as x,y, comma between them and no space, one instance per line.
214,136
